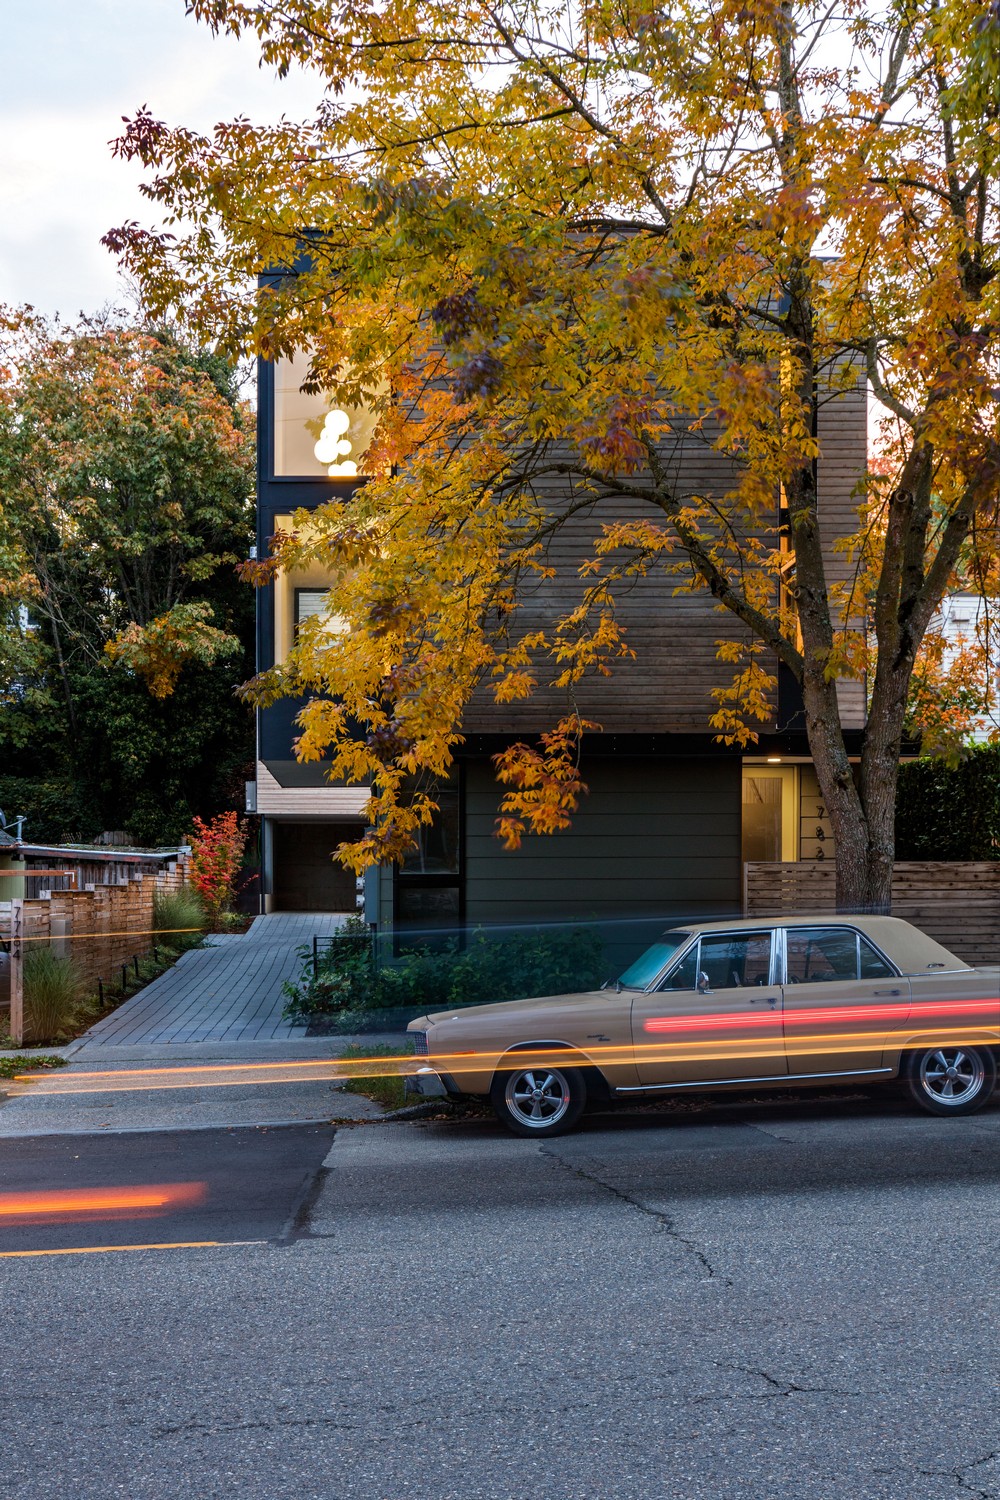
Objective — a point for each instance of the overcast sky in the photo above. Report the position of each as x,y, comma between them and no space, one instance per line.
71,69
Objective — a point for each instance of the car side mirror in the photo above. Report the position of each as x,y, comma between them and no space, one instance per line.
704,988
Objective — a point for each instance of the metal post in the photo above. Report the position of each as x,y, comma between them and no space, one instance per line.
17,972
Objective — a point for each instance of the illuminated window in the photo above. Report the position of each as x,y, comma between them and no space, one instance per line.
313,437
308,603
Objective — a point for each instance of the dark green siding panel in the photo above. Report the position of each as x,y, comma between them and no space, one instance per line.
653,838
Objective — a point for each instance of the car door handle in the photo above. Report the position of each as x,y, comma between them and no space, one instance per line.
888,992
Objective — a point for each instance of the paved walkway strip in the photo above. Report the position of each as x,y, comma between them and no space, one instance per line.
228,991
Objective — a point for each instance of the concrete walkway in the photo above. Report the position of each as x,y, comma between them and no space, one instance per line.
225,995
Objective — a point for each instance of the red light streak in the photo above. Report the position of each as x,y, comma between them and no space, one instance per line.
824,1015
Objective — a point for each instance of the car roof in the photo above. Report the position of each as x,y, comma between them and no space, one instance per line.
911,950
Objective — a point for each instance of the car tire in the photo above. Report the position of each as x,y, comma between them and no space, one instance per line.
533,1101
951,1080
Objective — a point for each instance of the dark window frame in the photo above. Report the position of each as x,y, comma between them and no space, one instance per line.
416,880
840,927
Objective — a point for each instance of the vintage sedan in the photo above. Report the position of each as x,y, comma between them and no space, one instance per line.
781,1002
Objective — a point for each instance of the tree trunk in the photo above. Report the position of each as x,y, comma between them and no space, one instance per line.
862,809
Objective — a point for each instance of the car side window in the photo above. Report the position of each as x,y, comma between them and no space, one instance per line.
733,960
873,965
685,976
815,954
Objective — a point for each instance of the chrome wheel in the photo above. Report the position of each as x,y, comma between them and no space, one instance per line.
951,1076
537,1098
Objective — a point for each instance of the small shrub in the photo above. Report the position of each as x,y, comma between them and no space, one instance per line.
10,1067
216,856
350,991
51,995
175,913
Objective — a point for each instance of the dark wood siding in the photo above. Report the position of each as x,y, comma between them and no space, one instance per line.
654,841
843,435
667,687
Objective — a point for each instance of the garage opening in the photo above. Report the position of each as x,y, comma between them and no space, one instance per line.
306,876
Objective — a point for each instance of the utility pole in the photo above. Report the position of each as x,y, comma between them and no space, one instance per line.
17,972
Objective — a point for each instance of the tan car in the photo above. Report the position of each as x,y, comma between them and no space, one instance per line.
792,1001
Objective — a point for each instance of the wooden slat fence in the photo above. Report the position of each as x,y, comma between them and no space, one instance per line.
957,904
100,929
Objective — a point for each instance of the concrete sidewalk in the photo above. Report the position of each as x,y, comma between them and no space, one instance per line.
219,1004
227,993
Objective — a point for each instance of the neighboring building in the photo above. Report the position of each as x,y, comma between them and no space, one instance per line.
671,815
966,620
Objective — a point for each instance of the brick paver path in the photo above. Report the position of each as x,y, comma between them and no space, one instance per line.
229,991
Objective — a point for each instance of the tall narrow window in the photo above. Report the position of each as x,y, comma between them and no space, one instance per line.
314,438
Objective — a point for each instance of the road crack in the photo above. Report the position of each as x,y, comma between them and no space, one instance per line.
963,1477
780,1388
663,1221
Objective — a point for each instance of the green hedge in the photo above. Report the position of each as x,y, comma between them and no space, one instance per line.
950,812
351,990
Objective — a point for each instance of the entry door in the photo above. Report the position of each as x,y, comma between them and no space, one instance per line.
716,1016
842,1001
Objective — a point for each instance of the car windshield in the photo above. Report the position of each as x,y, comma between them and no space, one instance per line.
640,975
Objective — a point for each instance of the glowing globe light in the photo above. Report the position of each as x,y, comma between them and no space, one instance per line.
333,447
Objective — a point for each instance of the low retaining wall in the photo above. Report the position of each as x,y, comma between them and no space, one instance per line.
100,929
958,904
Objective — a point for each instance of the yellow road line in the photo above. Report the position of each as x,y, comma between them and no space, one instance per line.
106,1249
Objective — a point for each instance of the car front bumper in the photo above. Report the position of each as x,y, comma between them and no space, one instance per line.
424,1084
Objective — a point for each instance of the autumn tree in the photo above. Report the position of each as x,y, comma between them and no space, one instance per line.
568,240
126,482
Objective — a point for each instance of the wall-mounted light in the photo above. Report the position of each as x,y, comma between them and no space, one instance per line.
774,760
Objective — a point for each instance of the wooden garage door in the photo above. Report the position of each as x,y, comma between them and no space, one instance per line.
306,877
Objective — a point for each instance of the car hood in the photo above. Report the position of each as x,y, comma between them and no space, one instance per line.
506,1008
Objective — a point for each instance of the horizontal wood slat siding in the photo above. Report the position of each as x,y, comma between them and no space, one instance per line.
843,436
668,687
957,904
277,801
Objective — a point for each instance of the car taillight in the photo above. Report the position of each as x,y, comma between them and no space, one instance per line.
419,1043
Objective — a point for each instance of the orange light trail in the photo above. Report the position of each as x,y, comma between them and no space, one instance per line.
80,937
77,1205
682,1050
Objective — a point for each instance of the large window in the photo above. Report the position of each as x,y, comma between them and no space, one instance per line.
313,437
428,883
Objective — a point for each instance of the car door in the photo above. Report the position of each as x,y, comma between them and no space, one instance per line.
715,1016
843,1000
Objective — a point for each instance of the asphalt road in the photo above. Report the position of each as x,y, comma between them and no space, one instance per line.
87,1191
745,1305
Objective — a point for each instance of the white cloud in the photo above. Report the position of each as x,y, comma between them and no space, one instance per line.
71,72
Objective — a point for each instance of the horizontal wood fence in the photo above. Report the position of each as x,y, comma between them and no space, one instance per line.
957,904
100,929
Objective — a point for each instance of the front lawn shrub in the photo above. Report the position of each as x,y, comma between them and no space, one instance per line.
51,995
175,913
352,992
